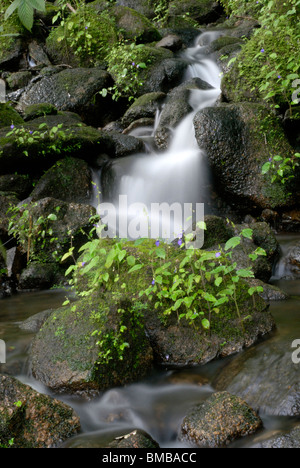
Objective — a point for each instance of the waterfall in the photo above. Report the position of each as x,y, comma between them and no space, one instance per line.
177,175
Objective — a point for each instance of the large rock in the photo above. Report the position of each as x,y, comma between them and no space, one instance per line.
163,75
177,106
71,90
203,11
239,139
134,25
143,107
145,7
9,116
31,419
288,440
266,378
66,355
68,180
219,421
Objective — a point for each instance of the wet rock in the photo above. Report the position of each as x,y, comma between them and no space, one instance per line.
18,80
37,55
177,106
172,42
292,261
236,150
270,292
66,357
68,180
267,379
178,344
33,420
39,276
69,90
145,106
135,439
144,7
163,75
289,440
34,323
219,421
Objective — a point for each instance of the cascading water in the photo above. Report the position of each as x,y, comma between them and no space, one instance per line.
178,175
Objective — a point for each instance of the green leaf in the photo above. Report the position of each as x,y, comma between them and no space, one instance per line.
232,243
131,260
247,233
205,324
161,253
245,273
135,268
38,4
25,12
177,304
266,167
12,8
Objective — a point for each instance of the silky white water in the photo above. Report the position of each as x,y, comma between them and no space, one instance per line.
176,176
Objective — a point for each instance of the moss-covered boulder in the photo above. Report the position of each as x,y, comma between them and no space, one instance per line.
9,116
219,421
145,7
18,80
203,11
239,139
91,345
177,107
37,145
33,111
69,180
85,38
33,420
134,25
71,90
143,107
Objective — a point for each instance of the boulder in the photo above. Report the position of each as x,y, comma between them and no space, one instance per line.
253,376
39,276
172,42
219,421
134,25
145,106
287,440
34,323
203,11
67,356
73,90
31,419
9,116
238,140
177,106
19,184
144,7
69,180
135,439
163,74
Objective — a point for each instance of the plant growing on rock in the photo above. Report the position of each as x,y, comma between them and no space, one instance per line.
25,10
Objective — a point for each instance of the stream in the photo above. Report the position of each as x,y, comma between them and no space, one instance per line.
158,404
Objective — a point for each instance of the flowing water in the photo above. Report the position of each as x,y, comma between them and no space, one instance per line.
158,403
176,176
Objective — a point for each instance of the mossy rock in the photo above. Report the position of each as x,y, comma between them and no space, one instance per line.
219,421
222,42
39,110
94,22
31,419
145,106
134,25
66,356
9,116
202,11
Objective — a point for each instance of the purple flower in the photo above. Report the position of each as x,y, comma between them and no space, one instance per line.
157,243
179,242
86,27
12,126
83,263
218,254
133,64
270,159
153,282
262,50
31,132
279,77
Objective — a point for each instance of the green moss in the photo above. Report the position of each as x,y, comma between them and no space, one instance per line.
39,110
134,25
9,116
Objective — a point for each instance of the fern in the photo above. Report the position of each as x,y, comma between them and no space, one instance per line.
25,11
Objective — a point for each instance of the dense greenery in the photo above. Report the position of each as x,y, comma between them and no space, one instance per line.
270,61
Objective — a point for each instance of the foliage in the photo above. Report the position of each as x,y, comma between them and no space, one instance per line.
193,284
25,10
281,169
270,61
34,235
89,35
125,62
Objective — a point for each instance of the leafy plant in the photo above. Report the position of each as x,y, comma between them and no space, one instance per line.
25,10
125,62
